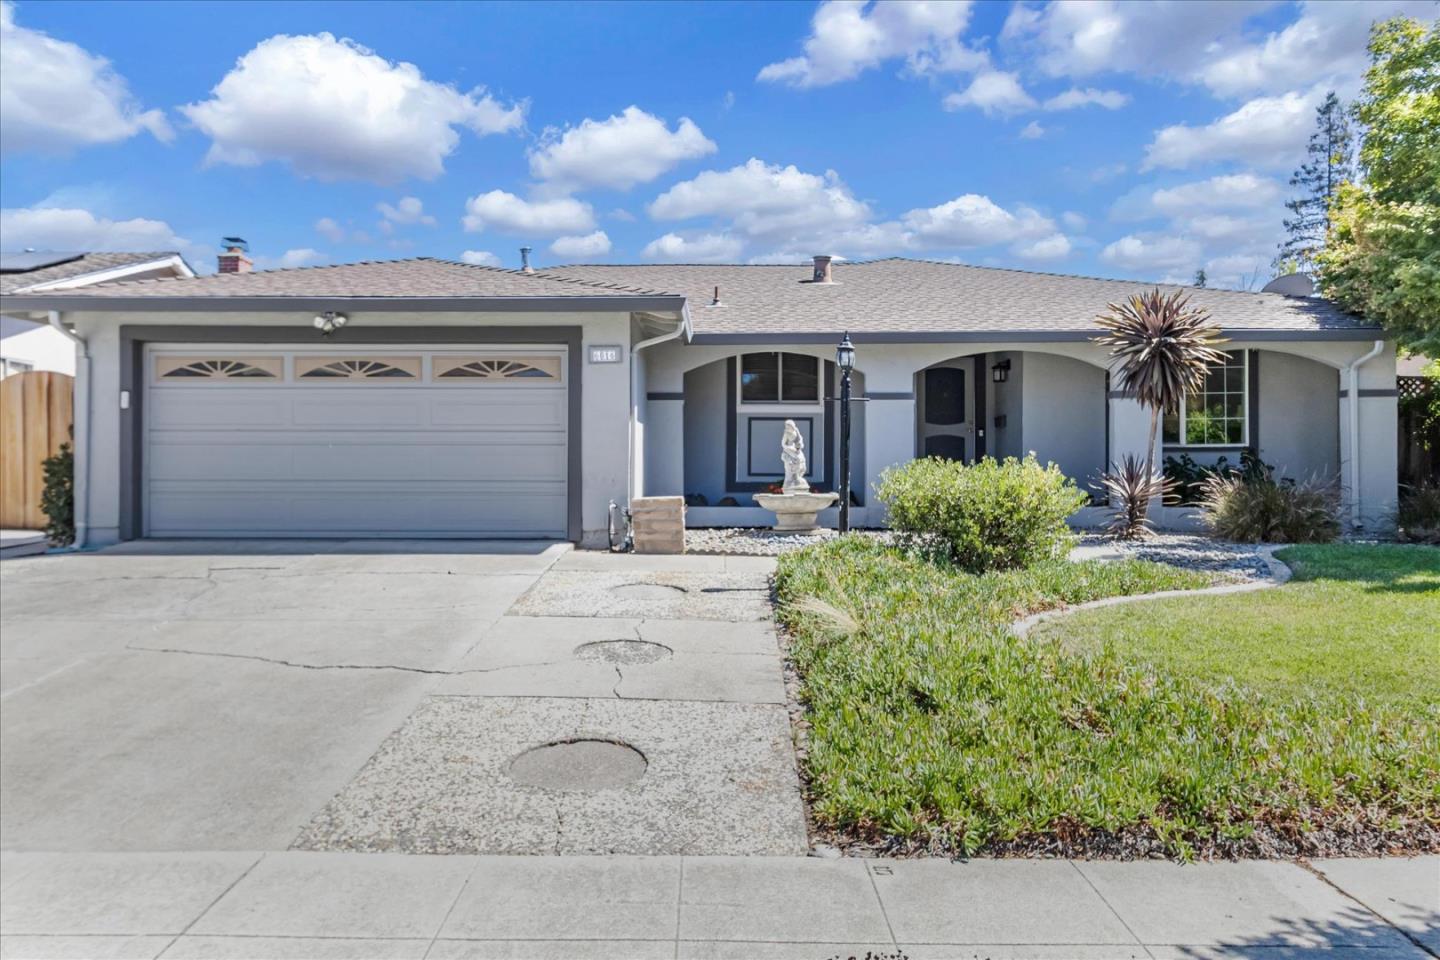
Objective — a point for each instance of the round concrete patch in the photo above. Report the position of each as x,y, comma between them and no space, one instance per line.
623,651
647,591
579,765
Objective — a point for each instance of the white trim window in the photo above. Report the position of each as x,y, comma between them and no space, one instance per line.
791,379
1217,415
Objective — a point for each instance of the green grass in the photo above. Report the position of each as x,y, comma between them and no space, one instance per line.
1356,623
930,725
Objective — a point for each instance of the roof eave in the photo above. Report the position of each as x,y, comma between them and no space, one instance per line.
172,304
1012,336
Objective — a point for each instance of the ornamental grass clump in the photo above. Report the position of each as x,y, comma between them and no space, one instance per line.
990,515
1130,490
1264,510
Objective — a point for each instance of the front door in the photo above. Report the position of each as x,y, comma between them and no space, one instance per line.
947,427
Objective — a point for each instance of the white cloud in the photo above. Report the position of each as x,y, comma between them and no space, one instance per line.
302,257
1073,220
1267,131
405,211
848,37
1162,38
1054,247
56,228
632,147
582,247
705,248
1076,97
1325,44
480,258
331,230
1153,252
1032,131
508,213
1235,191
335,110
975,221
55,95
765,200
993,91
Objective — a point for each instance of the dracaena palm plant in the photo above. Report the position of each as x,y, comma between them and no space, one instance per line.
1160,348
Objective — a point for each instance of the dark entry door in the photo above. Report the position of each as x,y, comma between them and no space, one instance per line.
946,429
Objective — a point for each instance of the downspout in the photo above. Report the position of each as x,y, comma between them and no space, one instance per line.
1352,372
682,329
81,416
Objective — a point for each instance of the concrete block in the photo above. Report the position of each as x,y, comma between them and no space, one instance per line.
1403,890
774,899
82,948
658,524
295,948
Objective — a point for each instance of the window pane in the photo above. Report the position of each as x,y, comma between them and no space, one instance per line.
760,377
801,382
1235,431
1170,428
1216,415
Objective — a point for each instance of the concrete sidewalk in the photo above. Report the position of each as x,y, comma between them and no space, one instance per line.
331,905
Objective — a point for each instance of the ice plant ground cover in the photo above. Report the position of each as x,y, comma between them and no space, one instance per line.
929,727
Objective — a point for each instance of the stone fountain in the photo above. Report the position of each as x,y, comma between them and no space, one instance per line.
795,507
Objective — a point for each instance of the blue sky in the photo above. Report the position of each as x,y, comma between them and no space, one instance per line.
1111,139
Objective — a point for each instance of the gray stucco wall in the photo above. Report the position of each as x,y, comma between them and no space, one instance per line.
1064,404
705,431
1299,416
1008,400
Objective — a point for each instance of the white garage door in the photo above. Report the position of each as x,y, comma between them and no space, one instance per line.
370,442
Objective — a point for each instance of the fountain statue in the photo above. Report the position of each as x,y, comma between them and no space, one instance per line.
795,506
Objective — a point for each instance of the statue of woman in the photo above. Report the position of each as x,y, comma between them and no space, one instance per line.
792,453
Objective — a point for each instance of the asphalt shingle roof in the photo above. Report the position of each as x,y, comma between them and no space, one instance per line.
920,296
85,263
418,277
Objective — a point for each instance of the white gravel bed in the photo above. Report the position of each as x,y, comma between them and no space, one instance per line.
1242,560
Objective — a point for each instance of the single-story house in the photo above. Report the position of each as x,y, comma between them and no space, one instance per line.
27,345
428,398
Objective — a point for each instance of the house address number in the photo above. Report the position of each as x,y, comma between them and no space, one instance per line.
606,354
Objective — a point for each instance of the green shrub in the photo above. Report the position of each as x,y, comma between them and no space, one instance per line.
57,500
986,516
1418,519
1262,510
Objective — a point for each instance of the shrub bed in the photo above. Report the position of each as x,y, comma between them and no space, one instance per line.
932,729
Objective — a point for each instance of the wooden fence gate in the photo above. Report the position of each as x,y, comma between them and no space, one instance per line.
35,419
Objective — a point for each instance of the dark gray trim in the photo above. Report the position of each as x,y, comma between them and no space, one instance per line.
1013,336
1376,392
732,438
830,384
750,441
134,337
1203,447
94,304
883,395
1108,397
982,389
658,395
1252,409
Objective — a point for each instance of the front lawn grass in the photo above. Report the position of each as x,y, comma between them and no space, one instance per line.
930,727
1357,623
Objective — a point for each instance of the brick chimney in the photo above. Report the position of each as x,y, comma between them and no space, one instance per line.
234,260
823,272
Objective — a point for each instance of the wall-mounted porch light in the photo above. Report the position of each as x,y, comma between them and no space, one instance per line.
1000,372
330,321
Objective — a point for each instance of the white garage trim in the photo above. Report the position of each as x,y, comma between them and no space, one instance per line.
557,385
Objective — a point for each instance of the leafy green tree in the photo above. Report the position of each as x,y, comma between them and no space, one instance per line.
1331,164
1200,278
1382,255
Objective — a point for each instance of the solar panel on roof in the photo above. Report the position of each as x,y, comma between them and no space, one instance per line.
33,260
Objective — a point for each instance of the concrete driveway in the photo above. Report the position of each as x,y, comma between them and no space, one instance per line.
364,696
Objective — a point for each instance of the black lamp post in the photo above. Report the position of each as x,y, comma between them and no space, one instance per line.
845,360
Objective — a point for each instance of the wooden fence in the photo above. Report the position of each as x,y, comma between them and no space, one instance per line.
35,418
1419,444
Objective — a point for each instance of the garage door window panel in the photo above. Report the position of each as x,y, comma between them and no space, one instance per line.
322,369
514,369
219,368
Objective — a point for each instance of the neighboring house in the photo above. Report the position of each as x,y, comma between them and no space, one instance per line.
27,345
452,400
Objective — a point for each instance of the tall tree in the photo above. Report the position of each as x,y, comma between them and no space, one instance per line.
1331,163
1382,255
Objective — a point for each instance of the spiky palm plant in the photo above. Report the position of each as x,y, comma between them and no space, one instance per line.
1160,349
1130,488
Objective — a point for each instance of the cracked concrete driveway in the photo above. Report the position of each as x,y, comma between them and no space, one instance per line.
363,696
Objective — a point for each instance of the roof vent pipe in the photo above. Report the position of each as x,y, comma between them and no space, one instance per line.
525,261
823,272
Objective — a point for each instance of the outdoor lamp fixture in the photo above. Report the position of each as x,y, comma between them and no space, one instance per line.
1000,372
330,321
845,360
